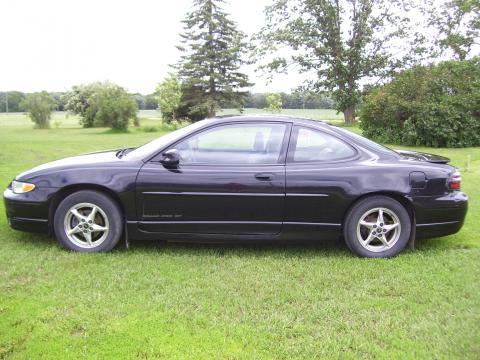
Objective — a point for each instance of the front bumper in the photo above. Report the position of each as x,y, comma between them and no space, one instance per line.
440,215
28,212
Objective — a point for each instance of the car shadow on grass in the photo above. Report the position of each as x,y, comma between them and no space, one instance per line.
334,248
326,247
303,248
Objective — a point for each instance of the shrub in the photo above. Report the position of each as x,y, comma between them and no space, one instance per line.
79,101
115,107
102,104
169,97
39,107
436,105
178,124
274,102
165,126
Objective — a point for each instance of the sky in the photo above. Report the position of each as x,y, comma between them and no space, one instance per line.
55,44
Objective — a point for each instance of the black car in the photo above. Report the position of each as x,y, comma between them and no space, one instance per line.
243,178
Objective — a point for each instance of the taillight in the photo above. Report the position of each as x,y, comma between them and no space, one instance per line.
455,181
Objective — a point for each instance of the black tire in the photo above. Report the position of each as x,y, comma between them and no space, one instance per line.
354,216
108,208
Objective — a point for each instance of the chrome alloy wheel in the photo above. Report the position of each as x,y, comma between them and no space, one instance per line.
86,225
378,229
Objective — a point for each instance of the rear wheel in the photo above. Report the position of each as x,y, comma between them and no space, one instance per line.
88,221
377,226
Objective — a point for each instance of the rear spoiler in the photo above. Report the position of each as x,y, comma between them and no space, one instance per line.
431,158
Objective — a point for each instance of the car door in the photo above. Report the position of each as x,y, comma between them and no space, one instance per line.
230,180
319,172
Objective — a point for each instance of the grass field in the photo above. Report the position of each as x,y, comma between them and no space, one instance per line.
229,301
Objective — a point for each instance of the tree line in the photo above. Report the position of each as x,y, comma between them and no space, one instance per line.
12,101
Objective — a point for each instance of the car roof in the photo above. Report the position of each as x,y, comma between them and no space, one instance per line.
267,117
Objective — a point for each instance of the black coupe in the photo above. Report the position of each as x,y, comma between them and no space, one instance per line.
243,178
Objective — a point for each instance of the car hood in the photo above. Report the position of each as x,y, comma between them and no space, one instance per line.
421,156
80,161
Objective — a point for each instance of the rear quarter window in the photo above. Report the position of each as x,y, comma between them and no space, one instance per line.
311,145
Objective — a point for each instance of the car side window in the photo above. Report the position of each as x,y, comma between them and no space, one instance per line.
310,145
258,143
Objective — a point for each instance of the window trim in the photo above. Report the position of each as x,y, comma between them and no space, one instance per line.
283,150
293,144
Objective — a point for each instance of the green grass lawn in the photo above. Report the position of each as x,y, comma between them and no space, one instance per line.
229,301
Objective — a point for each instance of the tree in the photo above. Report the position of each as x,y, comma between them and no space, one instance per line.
256,100
274,102
140,100
190,107
102,104
151,102
169,96
59,100
456,23
213,51
39,107
14,99
300,99
341,43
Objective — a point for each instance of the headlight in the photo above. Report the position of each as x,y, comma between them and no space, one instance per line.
19,187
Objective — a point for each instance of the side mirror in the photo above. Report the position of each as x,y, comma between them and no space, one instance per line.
171,158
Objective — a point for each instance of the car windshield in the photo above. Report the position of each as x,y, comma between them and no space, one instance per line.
155,145
367,142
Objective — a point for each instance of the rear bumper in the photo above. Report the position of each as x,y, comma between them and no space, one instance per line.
28,212
440,215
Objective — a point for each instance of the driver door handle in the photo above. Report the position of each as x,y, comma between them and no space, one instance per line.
264,176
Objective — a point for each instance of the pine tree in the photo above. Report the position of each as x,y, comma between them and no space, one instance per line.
212,48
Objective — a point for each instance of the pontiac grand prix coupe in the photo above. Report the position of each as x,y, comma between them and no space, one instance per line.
243,178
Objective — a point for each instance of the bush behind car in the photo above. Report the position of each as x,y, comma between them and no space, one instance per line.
435,105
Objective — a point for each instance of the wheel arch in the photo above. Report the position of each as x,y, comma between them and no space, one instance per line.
401,198
70,189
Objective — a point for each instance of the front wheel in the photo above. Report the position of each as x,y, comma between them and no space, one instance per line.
88,221
377,226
